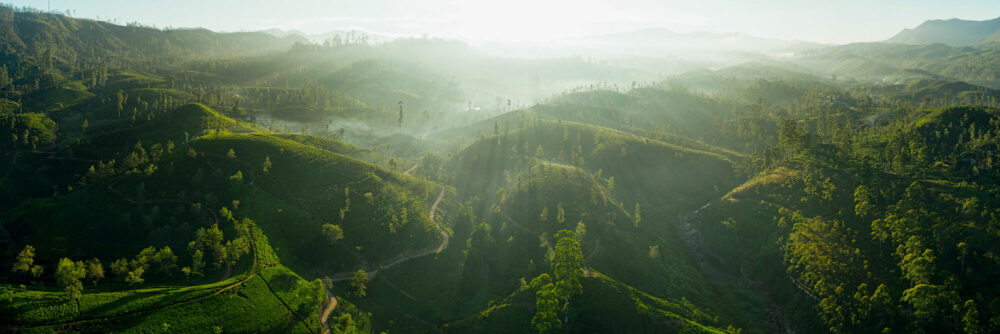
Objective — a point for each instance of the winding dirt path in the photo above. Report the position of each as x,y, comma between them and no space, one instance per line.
253,271
407,172
587,272
431,214
331,304
331,301
343,276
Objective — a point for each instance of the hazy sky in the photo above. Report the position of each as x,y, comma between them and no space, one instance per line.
836,21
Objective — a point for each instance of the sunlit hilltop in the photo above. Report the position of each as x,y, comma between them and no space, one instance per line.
499,167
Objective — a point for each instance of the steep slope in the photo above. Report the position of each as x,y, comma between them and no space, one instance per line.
304,188
267,297
650,170
517,241
927,90
953,32
672,114
605,306
26,131
843,245
160,192
382,213
550,175
179,125
340,147
990,41
884,61
30,33
21,174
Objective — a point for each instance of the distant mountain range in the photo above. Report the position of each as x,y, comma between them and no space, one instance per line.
344,34
654,42
659,41
953,32
659,38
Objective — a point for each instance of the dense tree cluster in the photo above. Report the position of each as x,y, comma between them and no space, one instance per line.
880,222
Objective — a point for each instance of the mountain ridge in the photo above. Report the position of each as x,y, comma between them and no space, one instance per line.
952,32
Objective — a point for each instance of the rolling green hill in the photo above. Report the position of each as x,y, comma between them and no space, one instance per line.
527,177
26,131
850,235
165,193
626,310
307,187
869,61
266,298
927,90
656,172
29,33
179,125
517,242
20,177
184,180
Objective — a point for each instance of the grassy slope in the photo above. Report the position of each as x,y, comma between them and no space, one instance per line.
20,172
655,173
305,189
188,121
255,304
611,235
38,126
339,147
606,306
749,228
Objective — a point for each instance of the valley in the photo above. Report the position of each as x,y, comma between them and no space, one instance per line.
189,180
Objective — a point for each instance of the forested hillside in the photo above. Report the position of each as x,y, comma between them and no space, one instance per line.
185,180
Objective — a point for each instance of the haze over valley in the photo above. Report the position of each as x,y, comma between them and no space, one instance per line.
486,167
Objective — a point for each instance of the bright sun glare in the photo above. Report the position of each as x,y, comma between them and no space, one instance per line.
528,20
